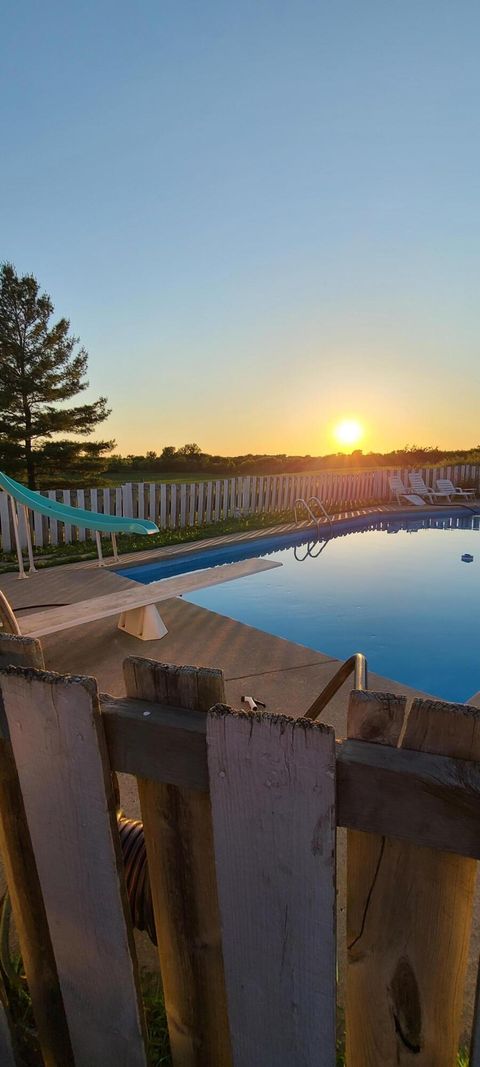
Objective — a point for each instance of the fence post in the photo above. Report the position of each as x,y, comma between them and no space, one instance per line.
23,884
179,840
409,910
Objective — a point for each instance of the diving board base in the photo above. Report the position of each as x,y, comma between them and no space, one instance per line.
146,623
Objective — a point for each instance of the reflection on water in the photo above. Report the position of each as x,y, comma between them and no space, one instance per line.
408,602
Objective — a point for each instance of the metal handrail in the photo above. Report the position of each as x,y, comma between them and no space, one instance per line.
316,500
300,500
356,665
306,504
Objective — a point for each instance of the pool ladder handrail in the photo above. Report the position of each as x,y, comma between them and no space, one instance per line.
306,504
356,665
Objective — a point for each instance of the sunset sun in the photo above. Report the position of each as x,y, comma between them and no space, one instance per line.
348,432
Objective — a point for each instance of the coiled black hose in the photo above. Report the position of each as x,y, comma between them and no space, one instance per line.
137,878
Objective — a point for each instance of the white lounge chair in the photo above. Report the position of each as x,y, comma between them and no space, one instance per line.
420,487
398,489
447,488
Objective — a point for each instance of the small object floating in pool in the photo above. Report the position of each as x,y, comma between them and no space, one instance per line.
467,558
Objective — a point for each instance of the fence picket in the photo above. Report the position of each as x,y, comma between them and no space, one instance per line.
5,522
82,533
24,886
67,529
53,524
173,505
38,528
179,839
217,500
141,500
191,499
395,989
152,502
201,504
208,514
183,505
275,860
61,758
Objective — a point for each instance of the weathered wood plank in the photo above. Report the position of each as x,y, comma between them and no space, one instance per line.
61,758
378,719
23,883
179,840
272,785
428,800
405,1002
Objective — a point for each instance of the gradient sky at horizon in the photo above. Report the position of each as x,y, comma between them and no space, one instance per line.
260,218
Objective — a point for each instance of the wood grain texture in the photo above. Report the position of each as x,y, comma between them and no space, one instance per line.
429,800
409,914
272,783
179,840
61,758
64,618
18,651
23,882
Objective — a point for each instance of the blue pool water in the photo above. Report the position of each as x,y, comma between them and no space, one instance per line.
399,592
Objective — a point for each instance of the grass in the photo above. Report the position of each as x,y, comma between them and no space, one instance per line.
13,982
78,551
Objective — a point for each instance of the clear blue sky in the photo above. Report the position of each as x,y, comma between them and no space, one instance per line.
260,217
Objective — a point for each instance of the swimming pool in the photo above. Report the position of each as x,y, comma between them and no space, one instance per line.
396,590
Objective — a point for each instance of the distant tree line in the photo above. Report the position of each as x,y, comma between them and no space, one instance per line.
190,459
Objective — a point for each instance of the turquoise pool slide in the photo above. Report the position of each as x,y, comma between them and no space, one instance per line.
90,520
75,516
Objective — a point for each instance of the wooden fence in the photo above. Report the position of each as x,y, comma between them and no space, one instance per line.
200,503
240,814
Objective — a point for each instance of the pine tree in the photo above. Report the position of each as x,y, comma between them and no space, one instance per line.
41,366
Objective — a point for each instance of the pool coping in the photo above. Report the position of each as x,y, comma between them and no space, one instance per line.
344,520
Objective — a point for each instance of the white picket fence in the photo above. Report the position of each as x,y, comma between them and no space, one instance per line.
199,503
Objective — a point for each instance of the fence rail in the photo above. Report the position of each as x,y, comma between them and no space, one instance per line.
200,503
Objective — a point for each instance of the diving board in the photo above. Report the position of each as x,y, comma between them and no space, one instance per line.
136,606
92,520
